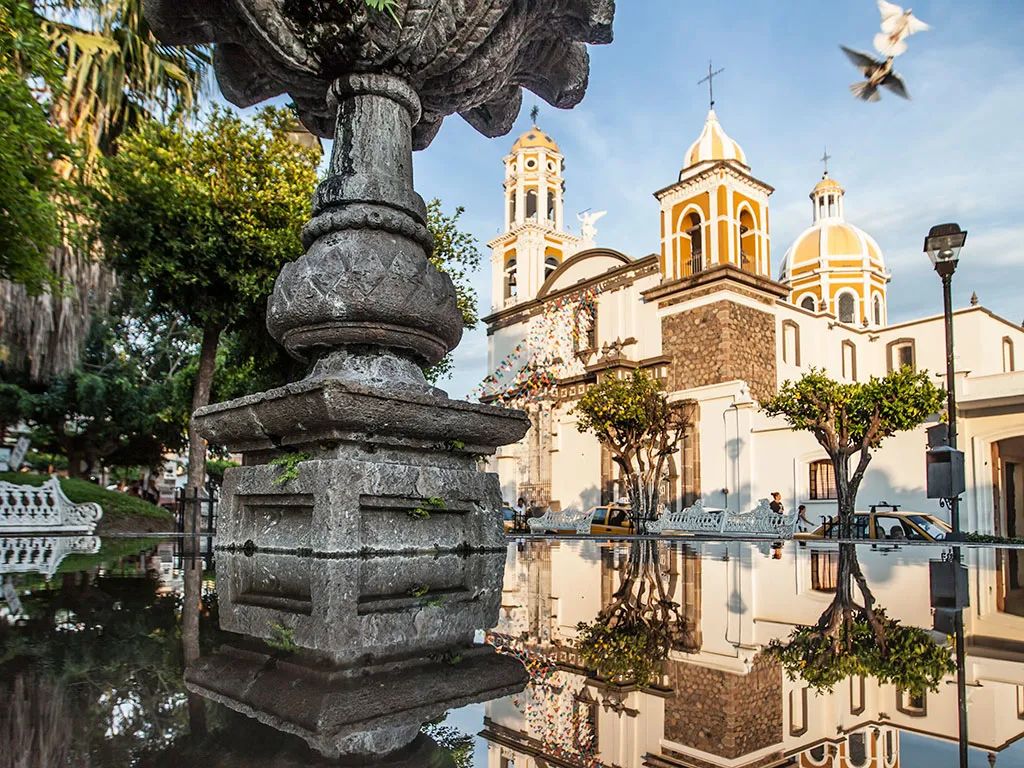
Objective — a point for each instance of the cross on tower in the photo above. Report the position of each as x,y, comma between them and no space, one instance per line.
710,79
825,158
533,114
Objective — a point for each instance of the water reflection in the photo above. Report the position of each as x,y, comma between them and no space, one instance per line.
650,654
862,664
355,655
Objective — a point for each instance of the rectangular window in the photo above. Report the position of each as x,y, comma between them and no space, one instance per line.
822,480
906,356
824,571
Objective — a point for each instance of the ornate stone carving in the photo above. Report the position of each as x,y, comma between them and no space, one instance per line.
465,56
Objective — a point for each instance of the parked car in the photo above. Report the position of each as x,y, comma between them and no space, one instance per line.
886,522
611,520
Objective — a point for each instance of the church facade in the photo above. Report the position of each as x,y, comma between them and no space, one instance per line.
722,327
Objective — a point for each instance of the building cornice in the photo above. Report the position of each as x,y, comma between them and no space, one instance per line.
627,274
767,288
697,174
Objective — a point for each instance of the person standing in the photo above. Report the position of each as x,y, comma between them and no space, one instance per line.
803,525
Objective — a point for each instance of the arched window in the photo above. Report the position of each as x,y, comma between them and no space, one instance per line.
901,353
1009,364
807,302
696,243
531,203
790,343
748,242
510,277
877,310
846,308
858,746
512,209
849,360
551,205
550,265
817,753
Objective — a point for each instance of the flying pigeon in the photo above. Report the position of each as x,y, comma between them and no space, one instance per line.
897,25
876,73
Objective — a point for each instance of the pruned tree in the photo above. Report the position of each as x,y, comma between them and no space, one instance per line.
634,633
860,639
850,421
641,429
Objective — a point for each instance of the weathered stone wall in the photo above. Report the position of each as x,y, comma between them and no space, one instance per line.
722,713
720,342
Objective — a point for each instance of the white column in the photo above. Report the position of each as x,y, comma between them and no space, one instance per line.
559,214
520,193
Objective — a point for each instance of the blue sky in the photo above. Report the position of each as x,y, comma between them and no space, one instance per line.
953,153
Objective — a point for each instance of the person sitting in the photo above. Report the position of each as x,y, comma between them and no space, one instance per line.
776,503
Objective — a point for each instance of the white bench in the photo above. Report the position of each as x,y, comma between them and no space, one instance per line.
568,519
693,519
762,521
42,554
45,508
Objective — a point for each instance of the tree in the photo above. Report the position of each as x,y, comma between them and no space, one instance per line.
852,639
204,220
640,428
455,253
849,419
30,222
634,633
112,74
117,408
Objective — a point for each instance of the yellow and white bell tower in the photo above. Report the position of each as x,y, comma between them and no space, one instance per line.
717,213
534,241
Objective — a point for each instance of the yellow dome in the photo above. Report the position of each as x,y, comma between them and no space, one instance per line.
535,137
830,243
827,184
713,144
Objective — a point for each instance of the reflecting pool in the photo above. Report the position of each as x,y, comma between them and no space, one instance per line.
552,653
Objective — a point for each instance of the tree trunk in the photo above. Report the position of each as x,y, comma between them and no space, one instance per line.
192,560
846,497
196,444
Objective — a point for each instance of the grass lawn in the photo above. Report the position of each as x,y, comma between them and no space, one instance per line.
117,506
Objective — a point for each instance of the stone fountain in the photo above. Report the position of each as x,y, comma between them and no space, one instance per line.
390,463
388,498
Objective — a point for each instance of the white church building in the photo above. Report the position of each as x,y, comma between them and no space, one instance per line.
712,318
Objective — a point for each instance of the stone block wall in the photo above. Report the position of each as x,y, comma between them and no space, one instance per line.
718,342
722,713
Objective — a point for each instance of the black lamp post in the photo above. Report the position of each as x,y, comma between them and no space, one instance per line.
943,245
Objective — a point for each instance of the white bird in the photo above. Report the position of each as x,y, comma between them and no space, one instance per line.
897,25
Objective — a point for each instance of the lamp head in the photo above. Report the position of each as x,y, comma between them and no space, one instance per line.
943,244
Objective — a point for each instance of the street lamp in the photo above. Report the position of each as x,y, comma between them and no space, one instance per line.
943,245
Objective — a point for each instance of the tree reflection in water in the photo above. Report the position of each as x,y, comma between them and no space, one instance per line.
854,638
634,633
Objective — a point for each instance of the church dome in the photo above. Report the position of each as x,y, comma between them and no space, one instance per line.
535,138
826,241
713,144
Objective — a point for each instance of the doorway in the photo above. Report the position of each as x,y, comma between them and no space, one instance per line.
1011,513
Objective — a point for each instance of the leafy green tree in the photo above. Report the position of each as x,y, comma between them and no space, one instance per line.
455,254
640,428
115,409
851,420
14,404
859,639
30,214
203,220
111,74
